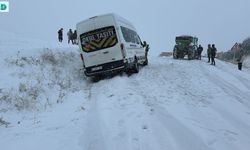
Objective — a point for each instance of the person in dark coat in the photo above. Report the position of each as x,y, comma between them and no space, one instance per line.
209,53
199,50
70,36
213,54
239,63
146,45
240,59
60,35
74,37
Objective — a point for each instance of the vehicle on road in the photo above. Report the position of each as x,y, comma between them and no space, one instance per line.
185,46
109,43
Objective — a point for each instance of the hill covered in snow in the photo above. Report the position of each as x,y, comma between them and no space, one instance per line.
47,103
247,62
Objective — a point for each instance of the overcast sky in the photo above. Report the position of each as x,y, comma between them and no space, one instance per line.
222,22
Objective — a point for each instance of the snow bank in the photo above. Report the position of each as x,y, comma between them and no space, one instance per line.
35,77
44,79
246,62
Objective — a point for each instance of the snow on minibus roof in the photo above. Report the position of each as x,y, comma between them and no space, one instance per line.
109,14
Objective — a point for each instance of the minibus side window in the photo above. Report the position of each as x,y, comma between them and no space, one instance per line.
130,36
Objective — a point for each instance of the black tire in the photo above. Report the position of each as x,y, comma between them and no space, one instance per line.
175,55
96,78
190,55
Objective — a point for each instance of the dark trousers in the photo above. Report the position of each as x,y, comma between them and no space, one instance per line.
239,65
71,41
213,61
60,39
209,57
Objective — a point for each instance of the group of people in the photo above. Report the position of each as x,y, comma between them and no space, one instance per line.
211,53
72,36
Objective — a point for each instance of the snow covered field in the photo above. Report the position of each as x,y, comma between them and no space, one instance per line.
47,104
247,62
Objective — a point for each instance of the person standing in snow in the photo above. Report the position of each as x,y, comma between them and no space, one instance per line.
60,35
199,50
240,60
70,36
239,63
213,54
75,37
209,53
146,45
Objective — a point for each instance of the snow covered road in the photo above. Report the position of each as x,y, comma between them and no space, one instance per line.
169,104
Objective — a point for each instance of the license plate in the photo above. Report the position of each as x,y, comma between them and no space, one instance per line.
96,68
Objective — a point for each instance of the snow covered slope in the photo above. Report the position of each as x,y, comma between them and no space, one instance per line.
247,62
47,103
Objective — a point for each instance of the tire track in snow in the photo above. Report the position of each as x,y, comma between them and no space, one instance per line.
158,137
111,123
162,130
181,134
236,95
242,80
88,88
167,131
171,123
186,88
93,138
228,88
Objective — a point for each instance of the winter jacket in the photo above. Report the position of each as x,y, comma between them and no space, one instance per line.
209,51
200,49
60,33
74,36
213,51
70,34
